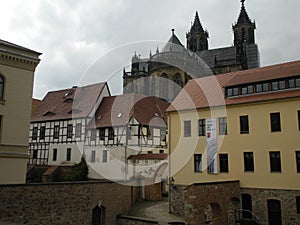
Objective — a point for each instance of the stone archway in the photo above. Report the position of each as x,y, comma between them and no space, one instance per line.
213,214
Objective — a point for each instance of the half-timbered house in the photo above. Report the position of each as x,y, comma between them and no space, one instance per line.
57,129
125,125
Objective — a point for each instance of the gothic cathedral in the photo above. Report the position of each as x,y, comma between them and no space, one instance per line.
167,71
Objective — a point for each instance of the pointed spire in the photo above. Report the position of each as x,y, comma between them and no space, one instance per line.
243,17
196,26
197,37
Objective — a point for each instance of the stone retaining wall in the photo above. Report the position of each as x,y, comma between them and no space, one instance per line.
63,203
287,200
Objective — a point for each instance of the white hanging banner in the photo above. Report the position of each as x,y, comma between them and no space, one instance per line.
211,145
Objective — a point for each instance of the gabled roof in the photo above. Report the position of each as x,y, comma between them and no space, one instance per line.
119,110
35,103
209,91
69,103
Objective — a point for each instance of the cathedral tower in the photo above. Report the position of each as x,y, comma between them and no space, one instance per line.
243,34
197,37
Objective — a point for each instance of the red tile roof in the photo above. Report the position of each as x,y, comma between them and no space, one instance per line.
35,103
209,91
278,71
148,156
69,103
118,110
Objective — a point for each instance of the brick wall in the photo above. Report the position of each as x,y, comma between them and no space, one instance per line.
63,203
153,192
206,203
287,200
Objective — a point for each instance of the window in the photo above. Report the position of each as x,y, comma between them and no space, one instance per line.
102,134
187,128
298,82
111,133
35,154
202,127
34,133
298,161
93,156
258,88
93,135
69,131
229,92
275,122
129,133
104,156
244,90
292,83
298,204
235,91
198,163
42,132
282,84
150,133
275,162
68,158
78,130
298,119
223,158
248,162
223,126
275,86
265,87
163,134
244,125
1,87
54,154
56,132
250,89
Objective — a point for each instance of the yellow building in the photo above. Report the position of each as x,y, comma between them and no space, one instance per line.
17,66
237,157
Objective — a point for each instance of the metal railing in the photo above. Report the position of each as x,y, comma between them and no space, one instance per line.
243,216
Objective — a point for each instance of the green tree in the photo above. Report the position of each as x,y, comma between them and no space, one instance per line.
79,172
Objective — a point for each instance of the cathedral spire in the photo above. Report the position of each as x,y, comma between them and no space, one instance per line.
197,37
196,26
243,17
244,27
243,34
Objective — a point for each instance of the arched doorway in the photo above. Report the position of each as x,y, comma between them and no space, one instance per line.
213,214
99,215
274,212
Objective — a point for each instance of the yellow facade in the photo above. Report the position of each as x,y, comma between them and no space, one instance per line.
17,66
260,141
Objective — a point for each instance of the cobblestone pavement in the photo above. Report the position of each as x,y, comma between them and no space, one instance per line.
154,210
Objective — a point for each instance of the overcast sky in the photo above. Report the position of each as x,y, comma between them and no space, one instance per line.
73,34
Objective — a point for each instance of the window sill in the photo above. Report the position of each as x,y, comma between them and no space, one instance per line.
2,102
